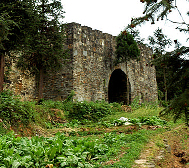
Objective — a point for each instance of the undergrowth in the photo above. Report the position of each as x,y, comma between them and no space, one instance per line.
100,140
14,111
48,113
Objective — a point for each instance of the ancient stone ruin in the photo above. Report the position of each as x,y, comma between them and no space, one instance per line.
90,71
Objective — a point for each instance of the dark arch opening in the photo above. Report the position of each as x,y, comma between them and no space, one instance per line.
117,89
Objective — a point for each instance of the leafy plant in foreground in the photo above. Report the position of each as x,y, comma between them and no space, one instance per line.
62,151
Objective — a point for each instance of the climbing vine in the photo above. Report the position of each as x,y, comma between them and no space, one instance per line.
126,48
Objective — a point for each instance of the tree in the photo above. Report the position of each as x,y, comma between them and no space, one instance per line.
16,18
135,33
179,105
159,42
45,45
155,10
126,49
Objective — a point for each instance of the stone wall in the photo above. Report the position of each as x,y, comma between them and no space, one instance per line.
93,64
21,83
142,76
92,58
89,68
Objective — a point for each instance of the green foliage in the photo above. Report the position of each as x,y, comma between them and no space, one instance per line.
94,149
177,66
62,151
52,104
154,11
135,33
4,27
16,17
73,124
70,97
112,123
44,49
3,128
152,121
179,107
89,110
126,47
163,63
135,104
14,111
159,42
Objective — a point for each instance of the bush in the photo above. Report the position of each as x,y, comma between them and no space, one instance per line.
89,110
14,111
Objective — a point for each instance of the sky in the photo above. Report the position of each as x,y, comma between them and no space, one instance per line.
112,16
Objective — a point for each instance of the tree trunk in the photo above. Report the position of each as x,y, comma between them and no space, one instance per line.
2,64
165,85
41,76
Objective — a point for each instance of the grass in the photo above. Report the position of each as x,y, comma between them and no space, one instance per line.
88,132
143,111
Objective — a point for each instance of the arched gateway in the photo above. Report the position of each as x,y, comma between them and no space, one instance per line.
117,88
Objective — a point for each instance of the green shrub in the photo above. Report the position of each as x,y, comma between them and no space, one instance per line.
89,110
52,104
135,104
14,111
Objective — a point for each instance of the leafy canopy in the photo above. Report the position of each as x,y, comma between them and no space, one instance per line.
16,18
45,44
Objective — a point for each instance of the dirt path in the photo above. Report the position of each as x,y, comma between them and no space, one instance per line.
167,150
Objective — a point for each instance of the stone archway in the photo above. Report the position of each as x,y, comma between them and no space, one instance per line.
117,88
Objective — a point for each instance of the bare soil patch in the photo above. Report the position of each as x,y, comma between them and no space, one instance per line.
168,150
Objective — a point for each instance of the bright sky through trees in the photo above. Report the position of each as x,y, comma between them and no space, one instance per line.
113,16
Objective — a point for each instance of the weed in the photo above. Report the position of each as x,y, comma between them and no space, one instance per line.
149,105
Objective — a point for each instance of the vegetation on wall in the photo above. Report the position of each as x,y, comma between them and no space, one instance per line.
126,47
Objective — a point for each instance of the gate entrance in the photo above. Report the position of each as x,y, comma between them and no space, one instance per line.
117,89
